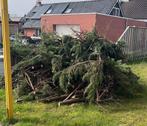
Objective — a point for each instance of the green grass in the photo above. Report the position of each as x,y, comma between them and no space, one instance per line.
131,112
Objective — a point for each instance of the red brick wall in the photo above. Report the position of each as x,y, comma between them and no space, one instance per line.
29,32
111,27
86,22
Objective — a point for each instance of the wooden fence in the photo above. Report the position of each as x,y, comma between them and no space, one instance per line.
135,39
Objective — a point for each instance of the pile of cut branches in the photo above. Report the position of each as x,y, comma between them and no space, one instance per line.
70,70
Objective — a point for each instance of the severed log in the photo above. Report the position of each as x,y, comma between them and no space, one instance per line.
29,81
55,98
79,92
79,95
71,101
19,100
111,99
72,93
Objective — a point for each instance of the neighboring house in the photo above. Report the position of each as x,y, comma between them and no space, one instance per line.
32,25
14,25
109,17
104,15
124,20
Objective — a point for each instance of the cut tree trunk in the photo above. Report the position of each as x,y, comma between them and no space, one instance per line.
55,98
72,93
71,101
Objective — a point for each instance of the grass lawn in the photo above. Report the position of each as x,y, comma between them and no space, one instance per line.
125,113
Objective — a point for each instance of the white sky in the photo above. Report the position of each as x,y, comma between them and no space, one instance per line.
21,7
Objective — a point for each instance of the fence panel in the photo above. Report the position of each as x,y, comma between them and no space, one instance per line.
135,42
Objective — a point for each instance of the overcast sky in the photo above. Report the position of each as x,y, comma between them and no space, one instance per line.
21,7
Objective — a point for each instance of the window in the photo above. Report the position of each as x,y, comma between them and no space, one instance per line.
49,11
68,10
32,13
38,32
116,11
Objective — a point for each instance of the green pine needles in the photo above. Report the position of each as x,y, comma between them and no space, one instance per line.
59,65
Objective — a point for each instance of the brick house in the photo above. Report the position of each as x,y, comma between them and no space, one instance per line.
109,17
32,25
31,21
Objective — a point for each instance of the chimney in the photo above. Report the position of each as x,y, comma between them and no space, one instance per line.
38,3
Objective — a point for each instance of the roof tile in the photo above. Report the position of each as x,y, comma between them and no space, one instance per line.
136,9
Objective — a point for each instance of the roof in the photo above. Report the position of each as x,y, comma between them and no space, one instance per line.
136,9
32,24
15,19
98,6
37,11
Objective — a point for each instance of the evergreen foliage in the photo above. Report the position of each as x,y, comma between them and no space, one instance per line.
59,65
